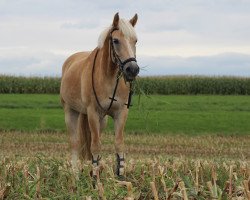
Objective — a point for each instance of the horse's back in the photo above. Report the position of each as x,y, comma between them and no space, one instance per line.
77,57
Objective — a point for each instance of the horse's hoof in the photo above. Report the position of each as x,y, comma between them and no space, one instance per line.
94,179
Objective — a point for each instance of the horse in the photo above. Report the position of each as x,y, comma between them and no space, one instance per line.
91,91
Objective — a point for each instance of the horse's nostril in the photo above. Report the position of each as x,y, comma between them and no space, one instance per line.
129,69
132,70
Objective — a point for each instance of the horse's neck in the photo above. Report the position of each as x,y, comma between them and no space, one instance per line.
108,69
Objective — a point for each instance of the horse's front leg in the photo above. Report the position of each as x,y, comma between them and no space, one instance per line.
119,122
95,148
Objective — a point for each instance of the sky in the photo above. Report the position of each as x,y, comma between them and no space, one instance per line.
175,37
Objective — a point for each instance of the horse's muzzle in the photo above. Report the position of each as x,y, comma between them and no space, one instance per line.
131,70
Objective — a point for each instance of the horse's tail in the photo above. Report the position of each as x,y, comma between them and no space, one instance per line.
85,137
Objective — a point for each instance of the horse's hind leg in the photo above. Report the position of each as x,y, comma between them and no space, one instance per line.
71,120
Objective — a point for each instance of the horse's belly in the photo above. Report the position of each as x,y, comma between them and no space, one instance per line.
78,106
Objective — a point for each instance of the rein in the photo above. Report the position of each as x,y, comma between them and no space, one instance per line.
121,65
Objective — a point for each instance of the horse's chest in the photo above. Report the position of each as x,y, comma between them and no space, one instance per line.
111,97
115,103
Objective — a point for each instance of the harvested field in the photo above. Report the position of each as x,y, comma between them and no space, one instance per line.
37,165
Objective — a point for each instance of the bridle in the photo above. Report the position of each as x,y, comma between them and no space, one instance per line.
112,52
118,62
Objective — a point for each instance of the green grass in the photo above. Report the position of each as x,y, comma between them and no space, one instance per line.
152,114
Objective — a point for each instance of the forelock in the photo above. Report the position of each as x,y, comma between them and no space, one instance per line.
126,28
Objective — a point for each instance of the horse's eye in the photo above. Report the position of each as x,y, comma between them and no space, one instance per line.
116,41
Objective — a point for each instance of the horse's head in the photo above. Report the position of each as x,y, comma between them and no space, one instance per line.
123,46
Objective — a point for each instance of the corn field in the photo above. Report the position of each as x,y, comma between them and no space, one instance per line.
29,85
195,85
165,85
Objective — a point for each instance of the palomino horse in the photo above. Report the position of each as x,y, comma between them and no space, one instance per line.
91,90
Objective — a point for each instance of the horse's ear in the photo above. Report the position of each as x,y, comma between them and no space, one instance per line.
134,20
116,20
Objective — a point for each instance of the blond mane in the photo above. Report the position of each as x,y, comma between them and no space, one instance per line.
126,28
